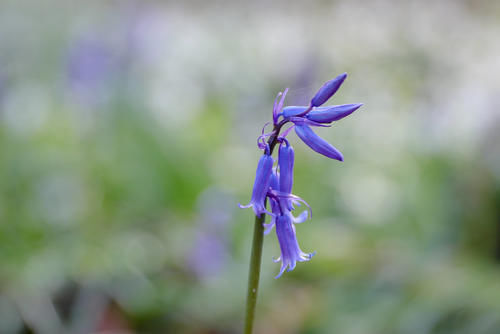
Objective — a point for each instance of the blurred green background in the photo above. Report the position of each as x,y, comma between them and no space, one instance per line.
128,136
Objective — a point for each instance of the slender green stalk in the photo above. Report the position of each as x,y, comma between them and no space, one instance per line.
254,273
256,256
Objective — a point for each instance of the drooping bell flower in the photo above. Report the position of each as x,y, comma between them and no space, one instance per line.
261,185
286,157
290,250
327,90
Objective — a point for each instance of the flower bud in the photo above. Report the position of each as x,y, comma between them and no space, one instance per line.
327,90
317,143
333,113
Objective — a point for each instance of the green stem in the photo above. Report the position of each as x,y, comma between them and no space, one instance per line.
255,258
254,273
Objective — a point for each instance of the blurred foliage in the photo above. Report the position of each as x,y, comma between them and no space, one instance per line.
127,137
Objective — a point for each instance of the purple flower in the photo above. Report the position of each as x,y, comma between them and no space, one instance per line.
286,158
290,250
317,143
277,186
327,90
261,185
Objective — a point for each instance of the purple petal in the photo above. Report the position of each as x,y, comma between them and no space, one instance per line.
286,157
275,107
331,114
261,185
293,111
317,143
275,183
327,90
278,106
290,250
301,218
269,226
282,100
286,132
294,198
302,120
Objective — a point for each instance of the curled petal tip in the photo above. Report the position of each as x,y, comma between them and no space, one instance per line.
281,273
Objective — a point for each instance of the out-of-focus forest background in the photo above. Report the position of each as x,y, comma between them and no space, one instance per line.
128,136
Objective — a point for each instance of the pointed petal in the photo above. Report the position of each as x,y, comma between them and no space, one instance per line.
282,101
333,113
282,270
327,90
286,132
278,105
317,143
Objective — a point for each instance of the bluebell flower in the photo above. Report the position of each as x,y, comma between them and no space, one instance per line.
286,157
261,185
290,250
274,184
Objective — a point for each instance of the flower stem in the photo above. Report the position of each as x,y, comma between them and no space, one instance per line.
254,273
256,256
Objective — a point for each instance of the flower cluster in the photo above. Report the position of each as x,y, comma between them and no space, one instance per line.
274,183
